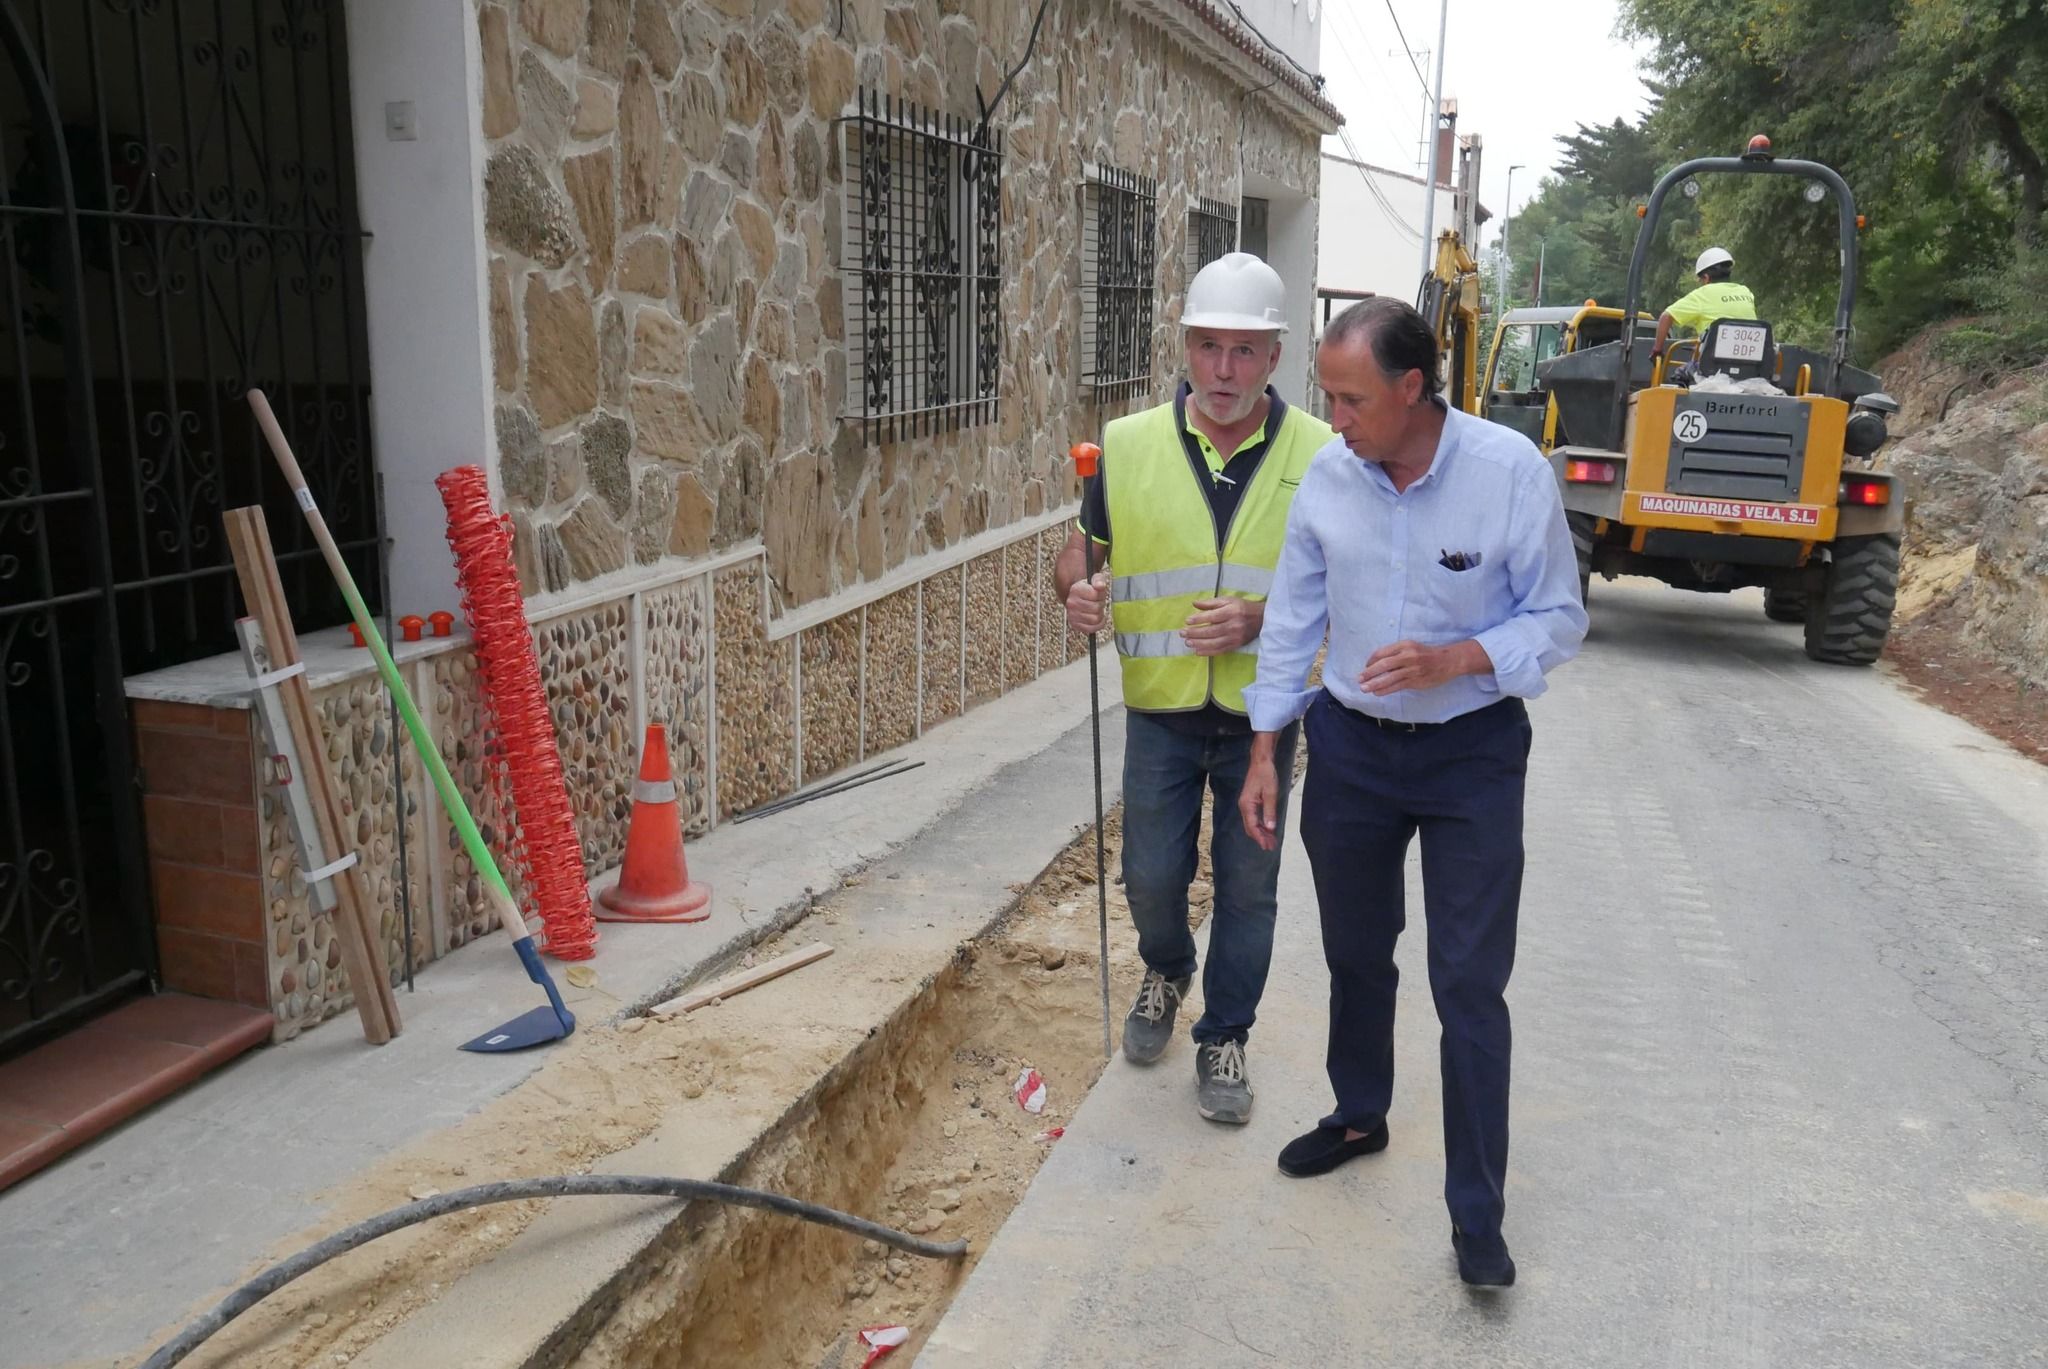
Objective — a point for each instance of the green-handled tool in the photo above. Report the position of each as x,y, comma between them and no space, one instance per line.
553,1021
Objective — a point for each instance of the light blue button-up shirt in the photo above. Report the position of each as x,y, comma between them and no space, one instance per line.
1367,563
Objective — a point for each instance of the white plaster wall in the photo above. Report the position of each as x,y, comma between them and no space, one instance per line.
1294,26
422,201
1361,248
1291,228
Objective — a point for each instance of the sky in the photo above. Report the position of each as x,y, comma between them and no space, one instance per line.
1521,73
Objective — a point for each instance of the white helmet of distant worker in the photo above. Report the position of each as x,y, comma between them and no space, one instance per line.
1713,256
1237,291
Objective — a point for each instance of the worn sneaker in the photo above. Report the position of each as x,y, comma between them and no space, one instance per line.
1223,1093
1149,1027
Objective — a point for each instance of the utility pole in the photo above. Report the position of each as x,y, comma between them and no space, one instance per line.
1507,214
1542,244
1436,105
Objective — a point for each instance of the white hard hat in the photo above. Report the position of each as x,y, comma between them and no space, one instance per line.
1236,290
1713,256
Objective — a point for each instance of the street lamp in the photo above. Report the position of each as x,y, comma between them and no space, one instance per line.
1507,212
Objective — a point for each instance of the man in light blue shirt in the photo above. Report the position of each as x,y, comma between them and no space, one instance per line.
1432,547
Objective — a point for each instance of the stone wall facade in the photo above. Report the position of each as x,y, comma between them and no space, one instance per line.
705,542
662,194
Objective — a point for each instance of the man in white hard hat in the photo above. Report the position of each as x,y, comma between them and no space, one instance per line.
1189,512
1717,297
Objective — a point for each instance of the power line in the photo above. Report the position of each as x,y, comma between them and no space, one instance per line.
1426,93
1352,58
1379,197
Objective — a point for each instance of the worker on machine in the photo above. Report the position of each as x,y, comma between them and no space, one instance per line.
1717,297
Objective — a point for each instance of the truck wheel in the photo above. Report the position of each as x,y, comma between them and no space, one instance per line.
1848,620
1785,605
1582,525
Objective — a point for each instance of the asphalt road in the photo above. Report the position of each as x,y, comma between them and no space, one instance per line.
1781,1069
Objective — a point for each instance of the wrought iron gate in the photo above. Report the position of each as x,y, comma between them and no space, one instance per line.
177,224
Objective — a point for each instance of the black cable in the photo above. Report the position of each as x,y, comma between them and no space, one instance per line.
516,1190
989,107
1284,54
888,770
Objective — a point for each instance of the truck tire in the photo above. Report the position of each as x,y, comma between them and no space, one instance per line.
1848,620
1785,605
1582,525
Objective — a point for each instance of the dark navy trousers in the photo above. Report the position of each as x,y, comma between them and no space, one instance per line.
1368,790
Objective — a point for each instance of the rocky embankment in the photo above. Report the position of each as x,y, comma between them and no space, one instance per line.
1974,451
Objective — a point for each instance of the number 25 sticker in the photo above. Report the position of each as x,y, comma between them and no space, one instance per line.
1689,426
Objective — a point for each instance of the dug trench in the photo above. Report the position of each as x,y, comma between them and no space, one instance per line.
920,1127
878,1081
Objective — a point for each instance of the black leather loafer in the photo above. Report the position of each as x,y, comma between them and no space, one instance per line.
1323,1149
1483,1263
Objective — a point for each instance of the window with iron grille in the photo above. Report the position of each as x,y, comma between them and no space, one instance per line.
1119,267
923,261
1212,233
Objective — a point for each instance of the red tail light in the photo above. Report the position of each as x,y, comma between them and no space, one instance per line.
1591,472
1866,492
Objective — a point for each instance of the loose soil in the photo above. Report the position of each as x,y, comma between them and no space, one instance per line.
912,1122
922,1129
1933,654
1925,581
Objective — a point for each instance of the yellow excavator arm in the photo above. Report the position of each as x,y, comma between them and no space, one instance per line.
1449,300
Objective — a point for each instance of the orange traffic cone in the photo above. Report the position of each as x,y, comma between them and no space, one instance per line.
654,884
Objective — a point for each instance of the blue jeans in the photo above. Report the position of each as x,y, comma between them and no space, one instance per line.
1164,775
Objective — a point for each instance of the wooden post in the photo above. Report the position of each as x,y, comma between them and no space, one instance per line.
355,922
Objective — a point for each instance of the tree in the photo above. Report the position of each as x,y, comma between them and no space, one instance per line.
1614,161
1935,111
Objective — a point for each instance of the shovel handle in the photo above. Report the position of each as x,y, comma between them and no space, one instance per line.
423,741
509,916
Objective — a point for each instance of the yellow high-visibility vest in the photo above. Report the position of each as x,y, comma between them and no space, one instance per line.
1166,552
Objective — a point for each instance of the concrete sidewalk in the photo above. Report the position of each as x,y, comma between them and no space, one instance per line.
122,1237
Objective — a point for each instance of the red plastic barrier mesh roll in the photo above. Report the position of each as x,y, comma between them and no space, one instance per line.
547,849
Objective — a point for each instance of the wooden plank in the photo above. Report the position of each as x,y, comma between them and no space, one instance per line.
357,910
362,950
743,980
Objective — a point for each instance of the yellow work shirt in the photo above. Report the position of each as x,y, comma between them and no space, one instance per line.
1217,461
1715,300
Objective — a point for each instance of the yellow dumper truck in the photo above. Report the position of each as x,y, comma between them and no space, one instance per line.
1739,460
